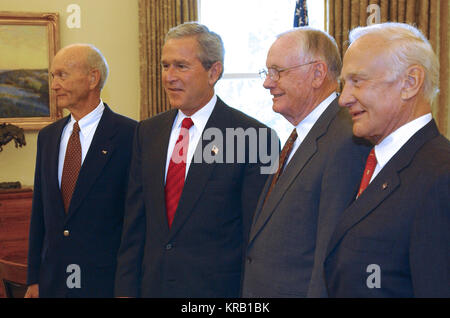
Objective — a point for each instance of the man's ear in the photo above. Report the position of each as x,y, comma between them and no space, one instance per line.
214,72
413,80
320,70
94,78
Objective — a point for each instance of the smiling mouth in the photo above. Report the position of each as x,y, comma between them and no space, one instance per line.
174,89
277,95
357,114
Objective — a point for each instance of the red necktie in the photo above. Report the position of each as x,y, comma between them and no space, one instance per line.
72,165
371,163
177,170
283,158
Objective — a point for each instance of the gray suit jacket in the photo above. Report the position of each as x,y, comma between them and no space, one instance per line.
289,235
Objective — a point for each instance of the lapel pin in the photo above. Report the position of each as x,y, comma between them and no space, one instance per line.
104,152
385,185
214,150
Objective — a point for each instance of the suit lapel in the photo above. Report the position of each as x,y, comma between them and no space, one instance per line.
299,160
199,173
261,199
384,184
98,155
378,190
157,169
52,162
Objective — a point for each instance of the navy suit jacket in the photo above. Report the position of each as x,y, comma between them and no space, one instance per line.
394,240
94,219
201,254
290,232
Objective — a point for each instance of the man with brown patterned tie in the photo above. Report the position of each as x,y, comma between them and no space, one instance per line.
318,174
80,184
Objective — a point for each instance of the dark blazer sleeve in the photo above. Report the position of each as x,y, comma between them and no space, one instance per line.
430,238
340,182
37,231
134,229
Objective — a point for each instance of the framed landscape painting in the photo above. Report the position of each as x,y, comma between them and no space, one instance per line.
28,43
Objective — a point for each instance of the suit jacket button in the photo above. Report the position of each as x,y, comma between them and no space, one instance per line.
66,233
168,246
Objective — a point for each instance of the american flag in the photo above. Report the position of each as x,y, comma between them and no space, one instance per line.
301,14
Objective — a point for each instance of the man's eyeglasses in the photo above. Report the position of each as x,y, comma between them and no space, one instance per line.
274,74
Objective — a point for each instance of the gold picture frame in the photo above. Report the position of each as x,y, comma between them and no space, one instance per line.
28,42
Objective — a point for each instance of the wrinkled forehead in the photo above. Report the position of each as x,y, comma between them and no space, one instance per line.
368,54
72,57
283,52
188,43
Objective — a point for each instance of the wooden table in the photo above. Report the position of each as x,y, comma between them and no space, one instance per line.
15,212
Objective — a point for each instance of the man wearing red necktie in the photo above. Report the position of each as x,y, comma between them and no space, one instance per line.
394,239
187,219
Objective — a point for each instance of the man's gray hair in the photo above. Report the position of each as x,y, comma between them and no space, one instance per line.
317,44
210,43
406,46
96,60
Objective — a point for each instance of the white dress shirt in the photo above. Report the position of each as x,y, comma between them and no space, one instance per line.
304,127
88,125
390,145
199,118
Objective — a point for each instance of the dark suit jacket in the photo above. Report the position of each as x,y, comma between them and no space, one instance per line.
94,218
400,223
290,232
201,254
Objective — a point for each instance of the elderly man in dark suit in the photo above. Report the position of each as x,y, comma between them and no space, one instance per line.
188,214
394,240
319,169
80,184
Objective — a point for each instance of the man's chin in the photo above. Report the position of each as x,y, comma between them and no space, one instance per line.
277,109
357,131
361,133
174,102
175,106
61,102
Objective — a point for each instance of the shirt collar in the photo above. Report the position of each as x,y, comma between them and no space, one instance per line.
86,123
200,117
390,145
308,122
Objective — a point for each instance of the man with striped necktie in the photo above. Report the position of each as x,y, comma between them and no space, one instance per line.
318,174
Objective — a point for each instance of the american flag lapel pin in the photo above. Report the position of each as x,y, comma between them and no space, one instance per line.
214,150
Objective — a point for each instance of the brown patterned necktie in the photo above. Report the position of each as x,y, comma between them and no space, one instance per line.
72,165
283,158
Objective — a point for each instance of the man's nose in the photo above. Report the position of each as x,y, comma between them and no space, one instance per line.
269,83
169,73
346,99
55,84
